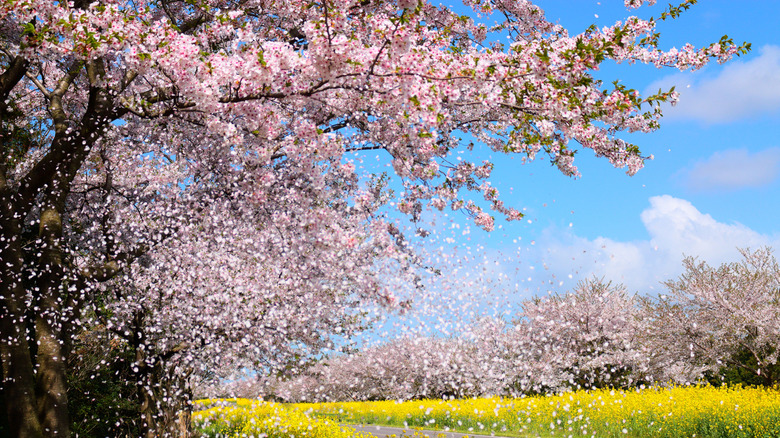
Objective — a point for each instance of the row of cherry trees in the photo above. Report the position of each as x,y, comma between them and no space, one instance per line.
174,174
713,323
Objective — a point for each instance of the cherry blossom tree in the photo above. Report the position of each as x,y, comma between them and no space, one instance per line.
587,338
209,303
407,368
132,130
714,317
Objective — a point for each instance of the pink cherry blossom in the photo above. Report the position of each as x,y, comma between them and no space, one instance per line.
176,173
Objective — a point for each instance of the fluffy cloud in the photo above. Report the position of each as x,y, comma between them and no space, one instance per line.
734,169
741,89
676,229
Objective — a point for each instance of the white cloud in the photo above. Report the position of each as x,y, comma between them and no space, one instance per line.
741,89
676,229
734,169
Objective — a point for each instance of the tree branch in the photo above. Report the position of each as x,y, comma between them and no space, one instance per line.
8,80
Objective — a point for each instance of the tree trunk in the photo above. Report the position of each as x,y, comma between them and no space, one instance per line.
19,381
34,375
49,324
50,380
34,319
18,372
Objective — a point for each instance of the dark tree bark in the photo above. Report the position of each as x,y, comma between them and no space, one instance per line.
35,318
18,372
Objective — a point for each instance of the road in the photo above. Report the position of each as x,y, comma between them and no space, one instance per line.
398,432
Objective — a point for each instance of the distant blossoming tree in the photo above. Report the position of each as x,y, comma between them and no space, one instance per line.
402,369
142,140
590,337
716,317
586,338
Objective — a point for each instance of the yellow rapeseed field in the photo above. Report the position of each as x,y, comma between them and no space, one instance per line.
700,411
229,418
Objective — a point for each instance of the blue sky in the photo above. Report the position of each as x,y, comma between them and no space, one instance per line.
713,186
